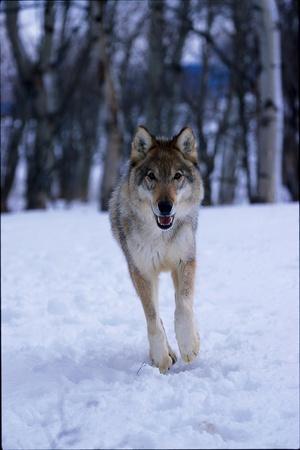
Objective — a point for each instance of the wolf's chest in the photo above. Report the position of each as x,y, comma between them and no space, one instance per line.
159,252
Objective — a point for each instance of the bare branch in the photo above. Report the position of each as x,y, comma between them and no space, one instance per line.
218,51
222,55
81,65
14,9
128,44
37,4
23,61
182,13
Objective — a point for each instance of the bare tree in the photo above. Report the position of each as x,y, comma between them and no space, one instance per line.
132,100
201,102
178,33
47,101
236,153
32,76
112,119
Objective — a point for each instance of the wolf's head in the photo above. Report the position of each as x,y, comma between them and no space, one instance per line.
165,175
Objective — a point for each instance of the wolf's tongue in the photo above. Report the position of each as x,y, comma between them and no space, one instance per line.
165,220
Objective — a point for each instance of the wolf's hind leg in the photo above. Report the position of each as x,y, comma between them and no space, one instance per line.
160,351
186,332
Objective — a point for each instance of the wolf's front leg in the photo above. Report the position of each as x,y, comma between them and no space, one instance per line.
185,326
160,350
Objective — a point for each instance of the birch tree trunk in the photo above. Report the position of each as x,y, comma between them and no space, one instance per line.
270,126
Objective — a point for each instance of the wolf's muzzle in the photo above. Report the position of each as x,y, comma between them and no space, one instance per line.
164,218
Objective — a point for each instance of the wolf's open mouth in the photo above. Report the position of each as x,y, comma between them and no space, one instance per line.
164,222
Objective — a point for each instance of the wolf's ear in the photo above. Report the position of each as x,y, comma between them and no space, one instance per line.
185,141
141,143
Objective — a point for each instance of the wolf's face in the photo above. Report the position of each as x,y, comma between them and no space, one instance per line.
165,175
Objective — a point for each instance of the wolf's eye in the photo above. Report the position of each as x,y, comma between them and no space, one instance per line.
151,176
177,176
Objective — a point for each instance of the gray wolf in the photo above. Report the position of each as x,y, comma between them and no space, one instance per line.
153,214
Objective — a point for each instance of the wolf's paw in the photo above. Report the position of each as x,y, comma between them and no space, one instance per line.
172,354
165,362
190,349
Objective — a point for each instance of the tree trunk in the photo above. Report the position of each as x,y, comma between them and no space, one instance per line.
38,176
228,174
156,57
174,82
289,21
207,201
270,126
244,125
113,143
199,110
230,152
241,18
85,170
114,137
11,162
111,166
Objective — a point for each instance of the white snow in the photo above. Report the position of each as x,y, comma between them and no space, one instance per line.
74,337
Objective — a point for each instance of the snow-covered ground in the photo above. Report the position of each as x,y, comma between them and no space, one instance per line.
74,337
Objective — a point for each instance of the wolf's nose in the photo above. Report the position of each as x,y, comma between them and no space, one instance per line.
165,207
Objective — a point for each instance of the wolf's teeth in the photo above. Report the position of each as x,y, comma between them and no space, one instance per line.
165,220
